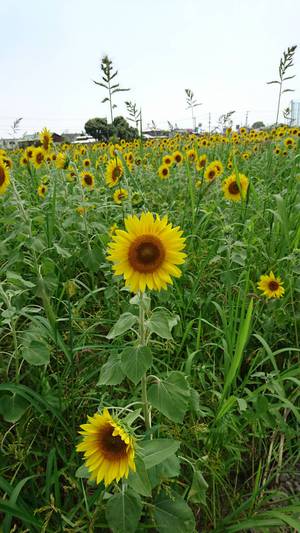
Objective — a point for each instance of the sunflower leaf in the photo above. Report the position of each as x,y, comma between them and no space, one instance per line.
170,396
111,372
135,361
173,514
156,451
125,322
123,512
161,322
139,480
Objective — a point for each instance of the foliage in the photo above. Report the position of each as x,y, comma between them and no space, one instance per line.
112,88
102,131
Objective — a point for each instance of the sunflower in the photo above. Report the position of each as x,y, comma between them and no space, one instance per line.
147,253
29,152
114,171
42,189
120,195
289,142
201,162
233,190
218,165
38,157
271,286
24,160
61,160
210,172
87,180
108,449
191,155
46,138
277,150
86,163
164,172
168,160
4,177
177,157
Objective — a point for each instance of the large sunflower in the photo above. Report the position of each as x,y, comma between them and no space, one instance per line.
233,190
38,157
108,449
114,172
4,177
147,253
271,286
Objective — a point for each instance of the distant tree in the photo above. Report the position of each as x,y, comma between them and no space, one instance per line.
258,124
108,76
98,128
225,120
102,131
285,63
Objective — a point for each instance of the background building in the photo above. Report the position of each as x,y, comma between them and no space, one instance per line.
295,112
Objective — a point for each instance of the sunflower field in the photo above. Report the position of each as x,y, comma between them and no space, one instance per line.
149,313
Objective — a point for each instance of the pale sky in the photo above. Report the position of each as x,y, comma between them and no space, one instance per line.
225,51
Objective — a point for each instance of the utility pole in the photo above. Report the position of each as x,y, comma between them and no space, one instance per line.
246,119
209,122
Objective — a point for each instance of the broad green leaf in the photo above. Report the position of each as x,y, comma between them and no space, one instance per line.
156,451
173,514
12,407
197,492
36,353
125,322
161,322
83,472
16,279
135,361
170,396
111,372
139,480
123,512
169,468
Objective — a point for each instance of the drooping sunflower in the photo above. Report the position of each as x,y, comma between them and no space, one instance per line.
271,286
61,160
108,449
114,171
87,180
4,177
46,139
120,195
164,172
147,254
233,190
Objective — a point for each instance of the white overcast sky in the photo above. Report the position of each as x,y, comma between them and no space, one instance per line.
225,51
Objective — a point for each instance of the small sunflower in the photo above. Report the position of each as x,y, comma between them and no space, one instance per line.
42,190
108,449
271,286
86,163
177,157
168,160
120,195
164,172
4,177
46,139
61,160
210,172
87,180
201,162
38,157
191,155
147,253
233,190
114,172
289,142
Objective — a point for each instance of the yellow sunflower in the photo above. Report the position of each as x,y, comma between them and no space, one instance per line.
191,155
210,172
120,195
108,449
87,180
114,171
164,172
4,177
271,286
201,162
168,160
147,253
86,163
42,190
60,160
46,138
177,157
233,190
289,142
38,157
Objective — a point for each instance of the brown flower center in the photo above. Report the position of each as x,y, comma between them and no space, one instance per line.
2,175
165,171
233,188
146,254
112,447
116,173
88,180
273,285
177,158
211,174
39,158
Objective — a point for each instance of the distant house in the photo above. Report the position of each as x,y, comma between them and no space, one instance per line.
34,140
8,144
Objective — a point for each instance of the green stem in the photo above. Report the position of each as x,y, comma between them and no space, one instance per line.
143,342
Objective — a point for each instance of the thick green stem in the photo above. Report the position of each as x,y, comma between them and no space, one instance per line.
143,342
